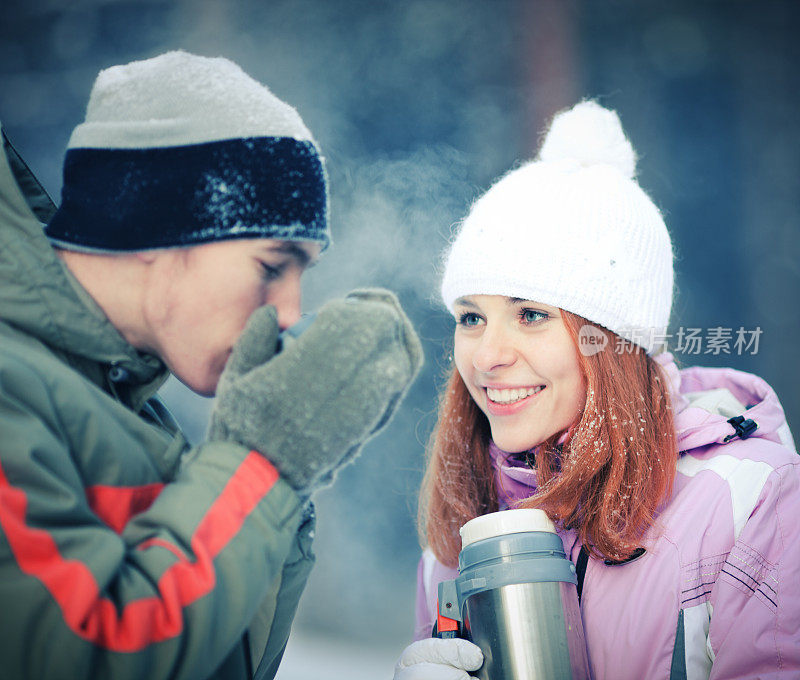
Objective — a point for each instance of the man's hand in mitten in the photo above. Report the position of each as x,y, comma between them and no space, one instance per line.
310,408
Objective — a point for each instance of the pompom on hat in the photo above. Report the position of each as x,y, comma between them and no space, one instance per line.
574,230
180,150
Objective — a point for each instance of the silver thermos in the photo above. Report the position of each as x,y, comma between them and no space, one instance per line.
516,598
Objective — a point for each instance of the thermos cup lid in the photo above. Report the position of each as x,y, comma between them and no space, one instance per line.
505,522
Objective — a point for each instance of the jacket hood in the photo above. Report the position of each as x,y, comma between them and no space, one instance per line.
40,297
703,399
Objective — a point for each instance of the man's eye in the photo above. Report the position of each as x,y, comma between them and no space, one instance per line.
469,319
269,273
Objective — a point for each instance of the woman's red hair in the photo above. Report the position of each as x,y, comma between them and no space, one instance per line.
607,481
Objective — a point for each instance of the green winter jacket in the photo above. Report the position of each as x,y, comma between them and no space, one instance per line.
124,553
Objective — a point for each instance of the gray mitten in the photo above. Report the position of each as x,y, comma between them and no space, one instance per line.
310,408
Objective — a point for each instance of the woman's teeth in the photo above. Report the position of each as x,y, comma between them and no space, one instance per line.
512,395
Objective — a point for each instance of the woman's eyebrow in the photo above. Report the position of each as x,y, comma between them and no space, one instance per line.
463,302
516,301
553,311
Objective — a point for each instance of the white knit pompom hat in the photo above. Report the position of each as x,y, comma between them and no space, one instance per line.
571,229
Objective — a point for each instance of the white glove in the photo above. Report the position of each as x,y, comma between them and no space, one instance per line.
435,659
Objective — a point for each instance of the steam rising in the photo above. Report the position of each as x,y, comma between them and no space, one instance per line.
391,222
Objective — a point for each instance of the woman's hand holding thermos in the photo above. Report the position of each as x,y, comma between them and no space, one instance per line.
435,659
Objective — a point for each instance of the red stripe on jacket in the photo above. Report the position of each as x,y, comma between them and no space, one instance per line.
115,505
150,619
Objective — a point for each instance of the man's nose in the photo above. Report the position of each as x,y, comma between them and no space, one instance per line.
495,350
286,298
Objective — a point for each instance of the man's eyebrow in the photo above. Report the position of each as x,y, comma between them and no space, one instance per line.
294,251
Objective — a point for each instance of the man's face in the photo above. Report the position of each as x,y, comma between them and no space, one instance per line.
198,300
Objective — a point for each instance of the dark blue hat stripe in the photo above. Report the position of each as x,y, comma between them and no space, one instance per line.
138,199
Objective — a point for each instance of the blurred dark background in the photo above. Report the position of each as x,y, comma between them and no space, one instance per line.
418,105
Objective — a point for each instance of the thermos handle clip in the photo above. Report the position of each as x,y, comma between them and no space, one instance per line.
449,606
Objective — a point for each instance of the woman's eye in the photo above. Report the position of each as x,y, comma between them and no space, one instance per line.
469,319
530,316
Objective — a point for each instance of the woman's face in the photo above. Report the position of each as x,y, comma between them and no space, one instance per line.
520,366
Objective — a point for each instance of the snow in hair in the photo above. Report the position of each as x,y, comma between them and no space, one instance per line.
590,135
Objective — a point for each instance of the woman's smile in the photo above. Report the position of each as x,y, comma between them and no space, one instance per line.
510,401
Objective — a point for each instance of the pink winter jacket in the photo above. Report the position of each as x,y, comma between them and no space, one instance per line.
717,594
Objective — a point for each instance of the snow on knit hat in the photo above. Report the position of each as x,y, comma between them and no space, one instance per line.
179,150
571,229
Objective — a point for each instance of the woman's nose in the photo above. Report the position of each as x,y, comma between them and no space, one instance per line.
495,350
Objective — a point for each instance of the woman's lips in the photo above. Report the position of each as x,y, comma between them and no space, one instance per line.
507,401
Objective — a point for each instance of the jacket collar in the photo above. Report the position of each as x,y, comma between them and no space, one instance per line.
514,479
704,399
41,297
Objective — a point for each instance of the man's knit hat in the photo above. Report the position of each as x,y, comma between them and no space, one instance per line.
571,229
180,150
